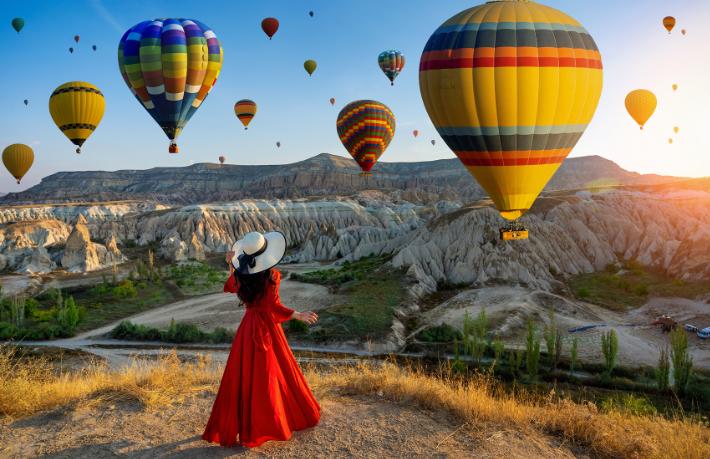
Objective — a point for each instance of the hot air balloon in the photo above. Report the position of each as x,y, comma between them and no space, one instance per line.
77,108
26,102
683,31
670,140
93,47
270,26
415,133
278,144
245,110
676,129
71,50
18,24
669,23
310,13
332,101
310,66
391,62
18,159
640,104
170,65
222,159
76,38
366,128
675,87
510,87
433,142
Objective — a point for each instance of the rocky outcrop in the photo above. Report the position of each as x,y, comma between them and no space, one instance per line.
80,254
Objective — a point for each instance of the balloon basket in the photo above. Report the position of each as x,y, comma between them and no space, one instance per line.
173,148
514,232
365,174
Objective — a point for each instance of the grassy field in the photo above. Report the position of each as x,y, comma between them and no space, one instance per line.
371,292
630,286
30,386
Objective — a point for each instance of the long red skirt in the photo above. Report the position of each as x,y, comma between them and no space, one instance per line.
263,395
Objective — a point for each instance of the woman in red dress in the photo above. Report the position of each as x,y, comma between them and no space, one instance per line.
263,395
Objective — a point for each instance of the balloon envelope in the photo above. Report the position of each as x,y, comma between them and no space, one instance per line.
170,66
76,38
502,85
18,24
676,129
222,159
245,110
332,101
391,63
93,47
270,26
366,128
669,23
71,50
433,142
641,103
415,133
310,13
18,159
675,87
310,65
26,101
278,144
77,108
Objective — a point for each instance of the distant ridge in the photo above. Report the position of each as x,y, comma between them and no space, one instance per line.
321,175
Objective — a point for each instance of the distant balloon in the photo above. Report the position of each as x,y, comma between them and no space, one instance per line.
676,129
683,31
415,133
366,128
71,50
77,108
222,159
641,104
76,38
18,159
670,140
310,65
669,23
675,87
310,13
270,26
433,142
170,66
18,24
278,144
245,110
93,47
332,101
26,102
391,62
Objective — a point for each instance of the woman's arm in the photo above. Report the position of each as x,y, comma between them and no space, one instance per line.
231,285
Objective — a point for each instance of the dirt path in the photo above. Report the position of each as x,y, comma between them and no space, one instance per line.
350,427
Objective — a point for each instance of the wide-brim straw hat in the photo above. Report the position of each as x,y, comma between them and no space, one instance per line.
259,252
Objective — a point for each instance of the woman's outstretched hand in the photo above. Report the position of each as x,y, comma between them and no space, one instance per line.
228,257
308,317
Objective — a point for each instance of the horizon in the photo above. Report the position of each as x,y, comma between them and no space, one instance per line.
636,52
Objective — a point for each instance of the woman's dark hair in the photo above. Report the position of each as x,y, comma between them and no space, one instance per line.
253,286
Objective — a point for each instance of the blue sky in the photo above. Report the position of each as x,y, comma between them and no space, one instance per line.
345,38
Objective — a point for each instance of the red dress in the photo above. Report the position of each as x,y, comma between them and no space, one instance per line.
263,395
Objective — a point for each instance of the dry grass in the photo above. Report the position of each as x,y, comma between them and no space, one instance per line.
32,386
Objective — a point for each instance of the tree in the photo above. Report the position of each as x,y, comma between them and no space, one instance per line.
663,370
610,348
532,351
682,361
553,341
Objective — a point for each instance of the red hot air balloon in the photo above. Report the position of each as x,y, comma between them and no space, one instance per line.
416,133
270,26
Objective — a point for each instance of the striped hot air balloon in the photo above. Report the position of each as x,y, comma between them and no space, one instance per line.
170,65
511,86
391,63
245,110
366,128
77,108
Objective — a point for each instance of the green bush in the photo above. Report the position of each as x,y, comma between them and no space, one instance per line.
641,289
532,351
553,341
628,404
583,292
573,354
443,333
610,349
682,361
221,335
68,314
297,326
663,371
124,289
8,330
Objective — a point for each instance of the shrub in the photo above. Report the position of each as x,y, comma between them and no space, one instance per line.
8,330
498,349
682,361
532,351
573,354
68,314
221,335
125,289
553,341
583,292
297,326
628,404
610,348
663,370
515,361
474,335
443,333
641,289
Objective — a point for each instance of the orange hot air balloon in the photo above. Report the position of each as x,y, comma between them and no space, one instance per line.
669,23
332,101
675,87
641,103
415,133
245,110
270,26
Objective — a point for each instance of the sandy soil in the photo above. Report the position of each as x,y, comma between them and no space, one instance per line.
360,427
509,308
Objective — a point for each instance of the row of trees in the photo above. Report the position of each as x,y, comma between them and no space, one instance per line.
476,342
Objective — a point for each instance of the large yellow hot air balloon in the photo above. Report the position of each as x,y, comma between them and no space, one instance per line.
77,108
18,159
511,87
640,103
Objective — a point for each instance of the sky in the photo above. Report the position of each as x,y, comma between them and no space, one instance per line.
344,37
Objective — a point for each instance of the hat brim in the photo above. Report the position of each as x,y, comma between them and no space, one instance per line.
271,257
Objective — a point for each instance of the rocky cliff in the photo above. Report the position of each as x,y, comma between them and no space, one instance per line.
322,175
